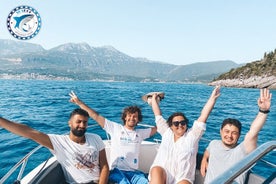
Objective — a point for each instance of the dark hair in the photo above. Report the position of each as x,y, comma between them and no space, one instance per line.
169,121
132,110
79,112
231,121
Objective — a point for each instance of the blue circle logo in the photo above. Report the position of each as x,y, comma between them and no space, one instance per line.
24,22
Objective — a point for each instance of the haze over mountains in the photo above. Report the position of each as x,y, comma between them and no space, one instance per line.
80,61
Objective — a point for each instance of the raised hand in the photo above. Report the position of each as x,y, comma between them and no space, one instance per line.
264,101
74,98
216,92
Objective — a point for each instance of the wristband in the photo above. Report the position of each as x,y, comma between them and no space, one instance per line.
264,111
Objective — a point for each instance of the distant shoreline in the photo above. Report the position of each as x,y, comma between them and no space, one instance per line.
252,82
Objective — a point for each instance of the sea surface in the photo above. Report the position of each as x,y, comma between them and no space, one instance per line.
44,105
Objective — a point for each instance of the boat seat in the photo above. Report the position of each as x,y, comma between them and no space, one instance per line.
52,174
199,179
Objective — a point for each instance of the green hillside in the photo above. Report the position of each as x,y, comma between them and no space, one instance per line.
263,67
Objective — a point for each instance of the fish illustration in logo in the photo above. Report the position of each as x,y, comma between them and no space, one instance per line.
22,22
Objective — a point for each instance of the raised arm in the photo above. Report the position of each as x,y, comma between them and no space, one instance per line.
264,102
155,104
25,131
92,113
209,105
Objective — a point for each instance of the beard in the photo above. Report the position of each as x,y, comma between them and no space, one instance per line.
78,133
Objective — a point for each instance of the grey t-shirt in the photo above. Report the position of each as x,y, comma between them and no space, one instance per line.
222,158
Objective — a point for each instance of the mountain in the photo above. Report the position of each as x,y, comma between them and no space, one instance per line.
9,47
257,74
80,61
201,71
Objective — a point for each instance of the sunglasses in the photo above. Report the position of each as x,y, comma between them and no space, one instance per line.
176,123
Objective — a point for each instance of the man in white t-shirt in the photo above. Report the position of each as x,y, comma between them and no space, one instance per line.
125,143
81,155
220,155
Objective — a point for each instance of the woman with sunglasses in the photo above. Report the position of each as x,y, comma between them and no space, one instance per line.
175,161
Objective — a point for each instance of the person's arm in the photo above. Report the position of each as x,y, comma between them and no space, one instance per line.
153,131
161,125
209,105
264,102
204,163
27,132
155,105
92,113
104,168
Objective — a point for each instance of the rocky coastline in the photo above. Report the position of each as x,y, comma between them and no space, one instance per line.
252,82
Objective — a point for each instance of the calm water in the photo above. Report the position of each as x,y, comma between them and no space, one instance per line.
44,105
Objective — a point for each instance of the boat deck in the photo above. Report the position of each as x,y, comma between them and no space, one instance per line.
50,171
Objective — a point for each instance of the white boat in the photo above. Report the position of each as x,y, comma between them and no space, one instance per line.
50,172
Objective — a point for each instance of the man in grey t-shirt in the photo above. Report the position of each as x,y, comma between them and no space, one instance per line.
222,154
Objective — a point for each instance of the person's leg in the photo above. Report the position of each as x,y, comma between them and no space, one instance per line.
117,176
137,177
158,175
184,182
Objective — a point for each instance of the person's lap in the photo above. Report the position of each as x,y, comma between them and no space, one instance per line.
127,177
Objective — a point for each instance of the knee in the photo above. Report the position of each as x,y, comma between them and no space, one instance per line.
159,173
157,169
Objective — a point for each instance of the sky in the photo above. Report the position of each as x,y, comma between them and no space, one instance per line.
178,32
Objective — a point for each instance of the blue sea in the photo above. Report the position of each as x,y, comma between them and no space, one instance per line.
44,105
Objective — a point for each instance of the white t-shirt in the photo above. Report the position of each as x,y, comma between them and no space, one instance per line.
125,145
178,158
80,162
222,158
